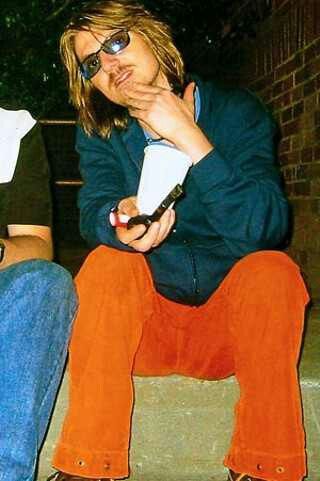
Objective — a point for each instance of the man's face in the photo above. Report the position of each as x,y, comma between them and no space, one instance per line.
135,63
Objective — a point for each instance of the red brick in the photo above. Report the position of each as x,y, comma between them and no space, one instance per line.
285,41
302,75
302,188
315,206
317,152
317,20
288,83
301,207
297,94
307,155
286,99
301,172
309,88
285,145
266,95
307,121
317,118
276,105
285,69
309,21
293,158
310,53
314,171
276,4
287,115
298,109
292,32
310,137
289,189
315,66
296,141
283,159
315,188
310,103
287,175
278,88
275,49
300,26
292,92
262,83
290,128
303,258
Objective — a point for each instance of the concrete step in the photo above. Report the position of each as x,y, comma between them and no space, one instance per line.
182,426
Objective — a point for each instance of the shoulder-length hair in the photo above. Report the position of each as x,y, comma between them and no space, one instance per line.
97,113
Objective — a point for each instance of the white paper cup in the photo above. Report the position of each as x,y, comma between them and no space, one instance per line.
163,168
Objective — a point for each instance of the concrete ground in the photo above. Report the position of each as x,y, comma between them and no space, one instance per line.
182,426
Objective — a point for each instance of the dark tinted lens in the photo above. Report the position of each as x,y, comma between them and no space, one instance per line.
117,42
90,66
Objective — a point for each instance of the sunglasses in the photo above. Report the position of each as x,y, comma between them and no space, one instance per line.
112,45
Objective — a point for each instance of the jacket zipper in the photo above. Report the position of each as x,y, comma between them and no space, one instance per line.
194,271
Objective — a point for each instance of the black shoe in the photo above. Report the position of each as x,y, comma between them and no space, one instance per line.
241,477
60,476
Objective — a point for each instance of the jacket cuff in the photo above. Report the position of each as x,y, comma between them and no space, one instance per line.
106,232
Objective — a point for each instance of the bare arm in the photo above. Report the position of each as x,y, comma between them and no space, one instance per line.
27,242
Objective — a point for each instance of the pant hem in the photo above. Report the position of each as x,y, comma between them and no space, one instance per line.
266,466
92,464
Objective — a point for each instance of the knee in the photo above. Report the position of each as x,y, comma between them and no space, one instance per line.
270,270
48,275
268,289
42,290
41,281
106,262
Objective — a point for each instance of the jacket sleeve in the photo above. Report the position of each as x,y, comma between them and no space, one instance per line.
239,183
103,187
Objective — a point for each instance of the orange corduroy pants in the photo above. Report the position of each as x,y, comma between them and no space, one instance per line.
251,327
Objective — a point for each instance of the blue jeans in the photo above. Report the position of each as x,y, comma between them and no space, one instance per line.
37,306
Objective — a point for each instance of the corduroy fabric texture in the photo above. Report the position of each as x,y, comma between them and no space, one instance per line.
251,327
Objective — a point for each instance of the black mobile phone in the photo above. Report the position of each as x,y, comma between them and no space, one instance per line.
145,219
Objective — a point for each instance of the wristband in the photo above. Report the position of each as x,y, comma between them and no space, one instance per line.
118,220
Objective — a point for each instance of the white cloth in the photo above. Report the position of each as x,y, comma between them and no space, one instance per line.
14,125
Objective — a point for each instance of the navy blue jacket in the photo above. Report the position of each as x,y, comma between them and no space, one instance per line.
233,202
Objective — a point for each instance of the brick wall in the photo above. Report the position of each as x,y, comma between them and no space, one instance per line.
282,65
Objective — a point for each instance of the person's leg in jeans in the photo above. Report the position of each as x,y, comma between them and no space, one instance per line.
37,306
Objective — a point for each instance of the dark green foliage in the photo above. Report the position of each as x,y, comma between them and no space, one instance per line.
31,73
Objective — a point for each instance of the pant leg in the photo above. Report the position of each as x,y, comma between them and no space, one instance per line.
37,305
266,323
252,326
116,297
198,342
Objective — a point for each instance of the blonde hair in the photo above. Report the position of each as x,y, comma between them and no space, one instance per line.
96,112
